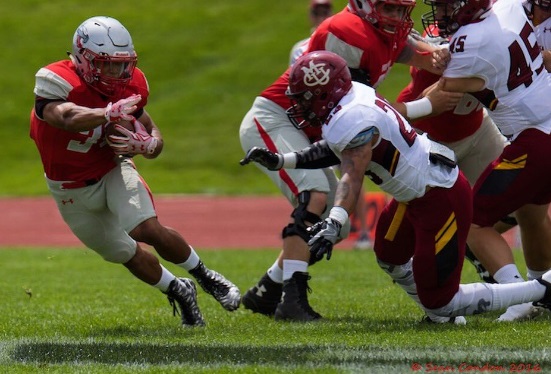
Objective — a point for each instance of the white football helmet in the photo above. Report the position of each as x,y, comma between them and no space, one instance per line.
396,28
104,55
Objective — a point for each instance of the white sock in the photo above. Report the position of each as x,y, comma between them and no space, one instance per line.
275,273
508,274
403,276
292,266
166,278
191,262
475,298
534,274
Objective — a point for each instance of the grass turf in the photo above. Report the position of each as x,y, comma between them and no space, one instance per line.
69,311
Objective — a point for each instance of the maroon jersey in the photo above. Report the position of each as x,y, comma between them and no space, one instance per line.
77,156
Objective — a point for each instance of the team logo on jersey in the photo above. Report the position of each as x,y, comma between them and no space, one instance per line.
316,74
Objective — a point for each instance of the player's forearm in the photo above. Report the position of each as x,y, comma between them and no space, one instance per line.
316,156
74,118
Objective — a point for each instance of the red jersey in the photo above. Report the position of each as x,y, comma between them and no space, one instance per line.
450,126
76,156
355,40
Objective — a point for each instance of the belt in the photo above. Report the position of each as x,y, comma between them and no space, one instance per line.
79,184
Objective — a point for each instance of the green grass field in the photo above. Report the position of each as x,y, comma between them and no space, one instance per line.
69,311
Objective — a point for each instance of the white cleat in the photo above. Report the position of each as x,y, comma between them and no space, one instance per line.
521,312
433,318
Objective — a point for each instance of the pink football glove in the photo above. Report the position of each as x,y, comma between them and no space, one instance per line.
138,142
122,109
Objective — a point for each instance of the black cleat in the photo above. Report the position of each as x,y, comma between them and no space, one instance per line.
264,297
294,300
215,284
480,269
182,295
545,302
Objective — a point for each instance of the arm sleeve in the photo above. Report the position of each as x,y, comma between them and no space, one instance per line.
316,156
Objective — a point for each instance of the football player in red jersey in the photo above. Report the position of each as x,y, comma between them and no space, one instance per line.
370,36
99,193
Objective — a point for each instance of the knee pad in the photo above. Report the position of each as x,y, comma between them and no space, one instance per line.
301,216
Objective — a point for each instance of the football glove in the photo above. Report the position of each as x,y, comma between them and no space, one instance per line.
137,142
270,160
325,236
122,109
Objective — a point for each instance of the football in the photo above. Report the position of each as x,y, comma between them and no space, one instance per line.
110,128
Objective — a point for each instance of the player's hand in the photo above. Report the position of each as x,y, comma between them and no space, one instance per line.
263,156
325,236
441,100
137,142
440,59
122,109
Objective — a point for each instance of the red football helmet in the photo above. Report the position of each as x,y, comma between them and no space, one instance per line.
450,15
317,82
388,26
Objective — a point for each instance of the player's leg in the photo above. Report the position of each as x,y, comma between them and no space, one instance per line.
140,221
87,214
474,154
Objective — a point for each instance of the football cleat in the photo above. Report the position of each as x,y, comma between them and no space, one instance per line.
294,304
545,302
521,312
215,284
182,295
264,297
458,320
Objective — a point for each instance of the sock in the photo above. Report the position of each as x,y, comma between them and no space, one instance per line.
166,278
508,274
403,276
534,274
191,262
475,298
275,273
292,266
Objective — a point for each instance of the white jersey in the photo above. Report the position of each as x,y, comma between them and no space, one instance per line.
502,50
400,163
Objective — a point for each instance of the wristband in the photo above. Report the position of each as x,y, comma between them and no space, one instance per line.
339,214
418,108
289,160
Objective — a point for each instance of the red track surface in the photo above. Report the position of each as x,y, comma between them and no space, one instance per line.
204,221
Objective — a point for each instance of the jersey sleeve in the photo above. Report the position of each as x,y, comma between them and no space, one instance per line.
49,85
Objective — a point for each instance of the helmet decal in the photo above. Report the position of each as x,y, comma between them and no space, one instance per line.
315,74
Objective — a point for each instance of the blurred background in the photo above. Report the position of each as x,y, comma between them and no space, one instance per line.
205,62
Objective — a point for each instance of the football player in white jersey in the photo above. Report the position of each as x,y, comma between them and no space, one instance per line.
539,12
421,234
494,51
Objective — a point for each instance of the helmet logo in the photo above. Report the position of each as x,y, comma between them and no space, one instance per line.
82,37
316,74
